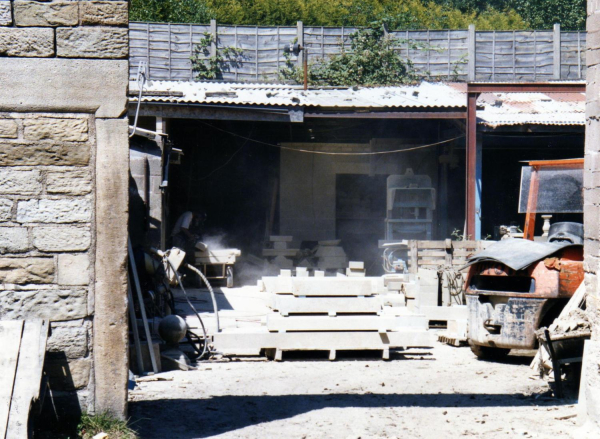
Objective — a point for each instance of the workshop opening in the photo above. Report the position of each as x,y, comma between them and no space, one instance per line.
353,183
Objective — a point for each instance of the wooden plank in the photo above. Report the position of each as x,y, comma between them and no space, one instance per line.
288,304
277,322
240,341
10,340
28,377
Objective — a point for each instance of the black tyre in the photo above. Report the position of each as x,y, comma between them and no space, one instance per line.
488,353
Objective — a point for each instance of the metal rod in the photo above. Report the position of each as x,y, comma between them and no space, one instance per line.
138,288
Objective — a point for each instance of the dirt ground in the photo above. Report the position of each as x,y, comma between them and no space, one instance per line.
444,392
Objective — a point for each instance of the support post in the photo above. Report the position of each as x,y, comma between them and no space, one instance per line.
300,38
213,33
478,178
556,42
471,53
471,162
161,128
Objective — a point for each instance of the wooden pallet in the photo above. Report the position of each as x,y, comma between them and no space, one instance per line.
242,342
21,362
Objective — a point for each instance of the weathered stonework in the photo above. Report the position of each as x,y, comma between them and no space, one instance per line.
54,211
20,154
8,129
70,338
74,182
63,192
92,42
26,270
69,375
113,13
14,240
60,239
6,206
5,13
56,129
49,304
46,14
20,182
73,269
28,42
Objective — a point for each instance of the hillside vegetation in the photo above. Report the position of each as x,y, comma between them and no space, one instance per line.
397,14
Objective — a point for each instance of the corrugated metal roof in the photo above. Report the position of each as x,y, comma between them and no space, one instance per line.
495,109
503,109
424,95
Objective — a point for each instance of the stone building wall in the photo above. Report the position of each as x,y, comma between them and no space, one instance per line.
590,383
63,190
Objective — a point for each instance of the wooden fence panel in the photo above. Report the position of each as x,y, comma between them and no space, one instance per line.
437,54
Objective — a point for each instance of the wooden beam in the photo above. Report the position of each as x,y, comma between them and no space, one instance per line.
471,161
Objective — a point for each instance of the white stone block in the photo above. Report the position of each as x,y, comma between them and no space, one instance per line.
73,269
301,272
20,182
62,238
356,265
14,239
54,211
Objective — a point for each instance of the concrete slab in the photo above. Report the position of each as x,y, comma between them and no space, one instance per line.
332,286
277,322
287,304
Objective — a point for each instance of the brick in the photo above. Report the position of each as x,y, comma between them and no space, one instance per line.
56,129
46,14
68,339
73,269
14,239
27,42
8,129
75,182
6,206
49,304
61,238
92,42
54,211
68,374
26,270
113,13
20,182
18,154
5,13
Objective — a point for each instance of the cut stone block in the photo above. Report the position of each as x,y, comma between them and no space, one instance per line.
276,322
332,286
356,265
290,252
445,313
288,304
319,273
301,272
274,238
243,342
355,273
286,273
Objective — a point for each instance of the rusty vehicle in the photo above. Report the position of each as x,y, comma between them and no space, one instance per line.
516,286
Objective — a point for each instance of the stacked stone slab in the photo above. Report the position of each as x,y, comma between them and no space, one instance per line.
280,255
331,314
356,269
64,191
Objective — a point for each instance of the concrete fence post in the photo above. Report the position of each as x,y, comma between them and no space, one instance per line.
300,38
556,57
213,33
471,53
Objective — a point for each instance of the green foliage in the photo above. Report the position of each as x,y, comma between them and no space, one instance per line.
91,425
171,11
399,14
542,14
371,61
212,67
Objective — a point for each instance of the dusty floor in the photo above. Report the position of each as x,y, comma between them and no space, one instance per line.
443,392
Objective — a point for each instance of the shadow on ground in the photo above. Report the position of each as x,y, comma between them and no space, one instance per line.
200,418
